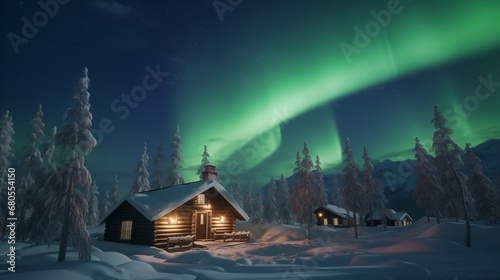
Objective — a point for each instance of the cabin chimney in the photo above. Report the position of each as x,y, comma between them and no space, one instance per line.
210,173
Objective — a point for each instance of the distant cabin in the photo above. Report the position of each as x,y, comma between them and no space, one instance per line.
393,218
332,215
198,209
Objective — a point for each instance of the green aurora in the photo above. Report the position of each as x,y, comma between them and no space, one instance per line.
247,127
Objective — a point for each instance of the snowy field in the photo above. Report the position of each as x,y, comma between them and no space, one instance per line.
418,251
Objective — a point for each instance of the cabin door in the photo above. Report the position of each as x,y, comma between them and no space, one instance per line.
201,225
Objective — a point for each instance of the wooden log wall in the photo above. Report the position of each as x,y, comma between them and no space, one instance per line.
176,223
228,224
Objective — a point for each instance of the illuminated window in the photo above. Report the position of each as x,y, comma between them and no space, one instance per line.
200,199
126,232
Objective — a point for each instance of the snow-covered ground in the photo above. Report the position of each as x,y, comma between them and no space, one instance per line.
418,251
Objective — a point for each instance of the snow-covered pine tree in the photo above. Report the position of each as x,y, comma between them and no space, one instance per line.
481,188
428,190
282,201
204,161
258,209
378,200
38,221
304,196
104,206
337,194
298,164
31,165
320,183
114,193
73,142
374,195
448,155
369,184
174,176
235,192
352,193
49,149
141,181
158,161
270,211
248,200
6,140
464,205
93,205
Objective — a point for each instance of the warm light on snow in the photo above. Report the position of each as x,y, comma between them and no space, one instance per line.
419,251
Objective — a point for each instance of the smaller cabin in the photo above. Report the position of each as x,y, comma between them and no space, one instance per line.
393,218
194,211
333,216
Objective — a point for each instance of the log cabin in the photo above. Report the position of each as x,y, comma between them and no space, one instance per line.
332,215
195,209
393,218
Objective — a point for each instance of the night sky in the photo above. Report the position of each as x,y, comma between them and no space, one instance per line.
256,79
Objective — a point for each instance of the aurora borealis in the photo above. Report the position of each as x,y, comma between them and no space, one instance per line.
270,76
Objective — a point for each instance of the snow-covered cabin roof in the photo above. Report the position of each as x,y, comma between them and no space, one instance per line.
341,212
157,203
390,214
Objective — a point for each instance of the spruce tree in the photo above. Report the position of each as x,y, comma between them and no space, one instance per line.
448,157
31,163
248,200
304,196
337,199
104,206
352,193
93,205
174,176
141,181
428,190
258,209
49,149
374,194
481,188
298,163
38,220
204,161
320,183
282,201
270,211
158,162
114,193
235,191
73,142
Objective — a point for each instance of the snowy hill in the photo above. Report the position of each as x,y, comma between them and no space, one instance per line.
399,177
